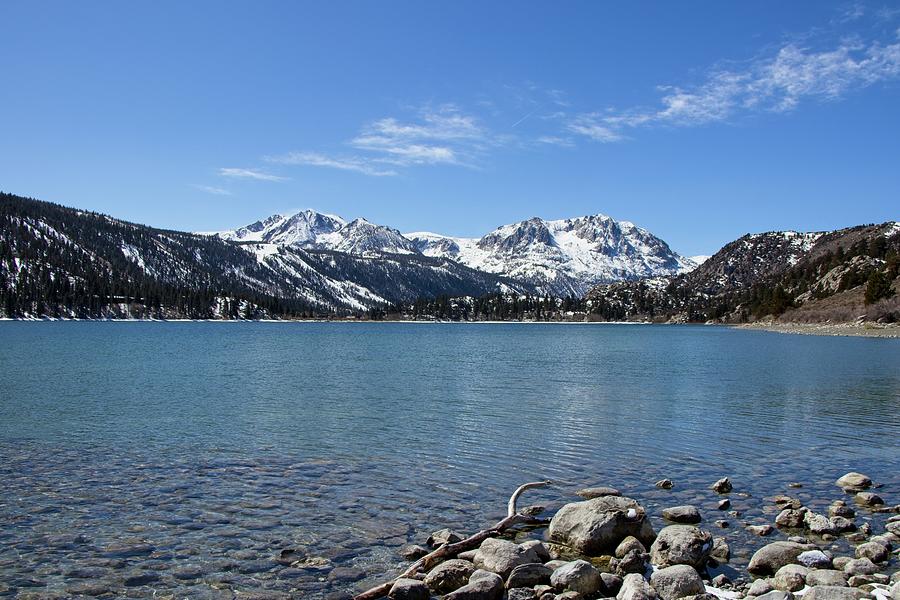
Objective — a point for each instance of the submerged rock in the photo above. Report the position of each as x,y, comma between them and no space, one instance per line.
854,481
598,492
682,514
665,484
596,526
722,486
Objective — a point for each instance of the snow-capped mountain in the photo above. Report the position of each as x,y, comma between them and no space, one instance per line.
562,258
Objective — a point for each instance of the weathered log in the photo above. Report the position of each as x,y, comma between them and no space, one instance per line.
447,551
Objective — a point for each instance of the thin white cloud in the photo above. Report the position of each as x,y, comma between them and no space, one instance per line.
249,174
555,140
209,189
777,84
316,159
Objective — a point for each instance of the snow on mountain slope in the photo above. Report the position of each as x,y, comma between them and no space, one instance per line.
563,257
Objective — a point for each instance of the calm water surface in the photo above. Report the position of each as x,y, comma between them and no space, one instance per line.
142,459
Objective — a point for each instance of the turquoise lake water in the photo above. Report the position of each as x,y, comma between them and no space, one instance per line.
185,456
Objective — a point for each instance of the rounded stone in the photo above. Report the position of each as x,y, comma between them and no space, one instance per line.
681,545
678,581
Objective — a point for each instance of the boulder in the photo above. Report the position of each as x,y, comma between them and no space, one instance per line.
814,559
722,486
839,508
635,587
449,576
409,589
529,576
840,562
632,562
598,492
760,587
577,576
721,552
860,566
895,591
790,578
843,524
681,545
483,585
829,577
412,551
827,592
678,581
596,526
873,551
868,499
502,556
682,514
628,544
854,481
771,557
612,583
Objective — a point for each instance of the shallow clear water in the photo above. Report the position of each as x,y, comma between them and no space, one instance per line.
141,457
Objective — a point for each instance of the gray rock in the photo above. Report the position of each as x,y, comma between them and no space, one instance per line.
520,594
814,559
886,540
612,583
724,504
790,578
873,551
860,566
776,595
681,545
895,590
529,576
678,581
555,564
720,550
628,544
840,562
577,576
868,499
633,562
790,518
722,486
412,551
502,556
760,587
665,484
568,596
843,524
839,508
827,592
722,524
450,575
761,530
854,481
409,589
635,587
771,557
818,524
830,577
682,514
861,580
539,548
443,536
598,492
596,526
483,585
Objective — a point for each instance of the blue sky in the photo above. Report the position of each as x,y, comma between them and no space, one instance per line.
698,121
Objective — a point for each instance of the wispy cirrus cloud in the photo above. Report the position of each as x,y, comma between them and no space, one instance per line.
236,173
775,84
315,159
210,189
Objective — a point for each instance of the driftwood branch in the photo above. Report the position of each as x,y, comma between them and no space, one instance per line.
446,551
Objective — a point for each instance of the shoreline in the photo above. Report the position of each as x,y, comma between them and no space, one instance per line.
870,330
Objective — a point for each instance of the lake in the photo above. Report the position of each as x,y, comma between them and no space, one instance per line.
138,457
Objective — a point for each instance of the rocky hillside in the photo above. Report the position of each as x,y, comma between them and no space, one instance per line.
785,275
58,261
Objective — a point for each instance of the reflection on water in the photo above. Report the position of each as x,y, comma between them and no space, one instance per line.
185,456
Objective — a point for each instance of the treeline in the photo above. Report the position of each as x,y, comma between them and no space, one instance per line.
491,307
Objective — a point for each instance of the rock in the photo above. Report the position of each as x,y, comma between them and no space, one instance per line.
783,501
854,481
532,510
577,576
443,536
720,550
635,587
483,585
681,545
895,591
818,524
814,559
791,518
885,540
722,486
611,583
827,592
596,526
840,562
860,566
831,577
628,544
520,594
761,530
502,556
540,590
409,589
861,580
449,576
632,562
568,596
682,514
842,524
468,555
665,484
790,578
839,508
724,504
776,595
771,557
598,492
555,564
539,548
868,499
141,578
722,524
412,551
760,587
795,484
873,551
529,576
678,581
